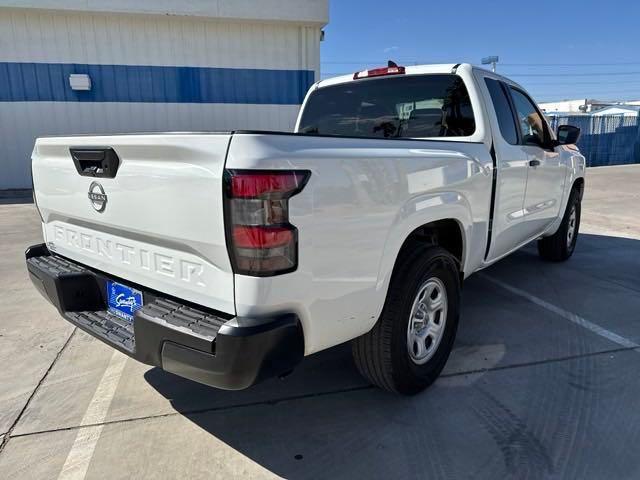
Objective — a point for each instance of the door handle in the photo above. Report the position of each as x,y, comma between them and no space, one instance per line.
95,161
534,163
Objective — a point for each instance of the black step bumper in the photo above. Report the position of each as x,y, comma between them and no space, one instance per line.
194,342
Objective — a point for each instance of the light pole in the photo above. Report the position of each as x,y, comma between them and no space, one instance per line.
491,61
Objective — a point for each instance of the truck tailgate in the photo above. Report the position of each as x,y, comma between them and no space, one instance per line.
158,222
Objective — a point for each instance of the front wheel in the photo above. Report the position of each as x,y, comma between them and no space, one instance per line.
560,246
409,345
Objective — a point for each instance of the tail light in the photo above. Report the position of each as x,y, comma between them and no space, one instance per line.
391,69
261,240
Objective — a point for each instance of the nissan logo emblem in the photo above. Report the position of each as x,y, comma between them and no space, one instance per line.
97,197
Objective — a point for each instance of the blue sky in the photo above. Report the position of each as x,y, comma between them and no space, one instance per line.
556,49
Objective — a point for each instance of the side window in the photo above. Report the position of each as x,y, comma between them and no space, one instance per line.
532,124
500,101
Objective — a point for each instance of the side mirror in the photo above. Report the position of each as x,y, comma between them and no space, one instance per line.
568,135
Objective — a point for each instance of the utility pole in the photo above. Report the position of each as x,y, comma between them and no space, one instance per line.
493,61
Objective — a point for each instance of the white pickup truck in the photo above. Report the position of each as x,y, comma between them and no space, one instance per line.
226,258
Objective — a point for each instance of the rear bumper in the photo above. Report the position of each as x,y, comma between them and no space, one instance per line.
194,342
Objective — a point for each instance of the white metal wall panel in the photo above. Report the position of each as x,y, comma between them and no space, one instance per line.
302,12
41,36
45,36
22,122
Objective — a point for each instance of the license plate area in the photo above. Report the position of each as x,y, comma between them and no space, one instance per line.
123,301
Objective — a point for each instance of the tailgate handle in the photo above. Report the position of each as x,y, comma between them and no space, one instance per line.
100,162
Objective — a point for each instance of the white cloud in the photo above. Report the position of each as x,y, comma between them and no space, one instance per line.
391,49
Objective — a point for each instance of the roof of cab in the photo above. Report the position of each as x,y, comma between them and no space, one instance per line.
409,70
415,70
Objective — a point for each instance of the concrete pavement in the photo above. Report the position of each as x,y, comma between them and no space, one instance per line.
532,389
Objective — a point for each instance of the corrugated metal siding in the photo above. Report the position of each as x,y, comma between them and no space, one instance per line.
605,139
303,12
206,48
42,82
46,36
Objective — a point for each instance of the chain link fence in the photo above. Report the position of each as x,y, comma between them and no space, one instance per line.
605,139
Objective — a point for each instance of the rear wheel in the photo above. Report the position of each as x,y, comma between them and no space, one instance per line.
409,345
560,246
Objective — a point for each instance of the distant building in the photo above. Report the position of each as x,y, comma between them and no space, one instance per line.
623,110
582,105
564,106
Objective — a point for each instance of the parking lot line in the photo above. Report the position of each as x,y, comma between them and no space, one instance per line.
572,317
77,462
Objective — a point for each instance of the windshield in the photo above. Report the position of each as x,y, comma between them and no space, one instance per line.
391,107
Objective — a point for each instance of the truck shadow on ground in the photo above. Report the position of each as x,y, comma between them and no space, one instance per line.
520,395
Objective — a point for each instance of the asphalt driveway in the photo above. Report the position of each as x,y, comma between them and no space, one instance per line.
543,382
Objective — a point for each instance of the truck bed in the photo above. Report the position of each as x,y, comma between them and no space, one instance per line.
164,224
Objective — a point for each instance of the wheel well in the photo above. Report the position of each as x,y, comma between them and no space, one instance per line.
579,185
444,233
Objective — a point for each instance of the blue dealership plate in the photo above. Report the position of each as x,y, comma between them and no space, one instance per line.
123,301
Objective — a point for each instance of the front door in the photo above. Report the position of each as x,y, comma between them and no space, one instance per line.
546,171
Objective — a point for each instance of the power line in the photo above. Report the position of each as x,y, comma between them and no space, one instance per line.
603,82
591,74
568,64
635,93
553,99
607,64
618,95
604,88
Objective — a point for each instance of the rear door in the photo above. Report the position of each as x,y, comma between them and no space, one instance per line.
546,170
153,218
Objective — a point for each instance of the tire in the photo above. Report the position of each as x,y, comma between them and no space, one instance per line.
560,246
383,354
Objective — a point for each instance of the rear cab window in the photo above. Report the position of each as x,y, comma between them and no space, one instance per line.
417,106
